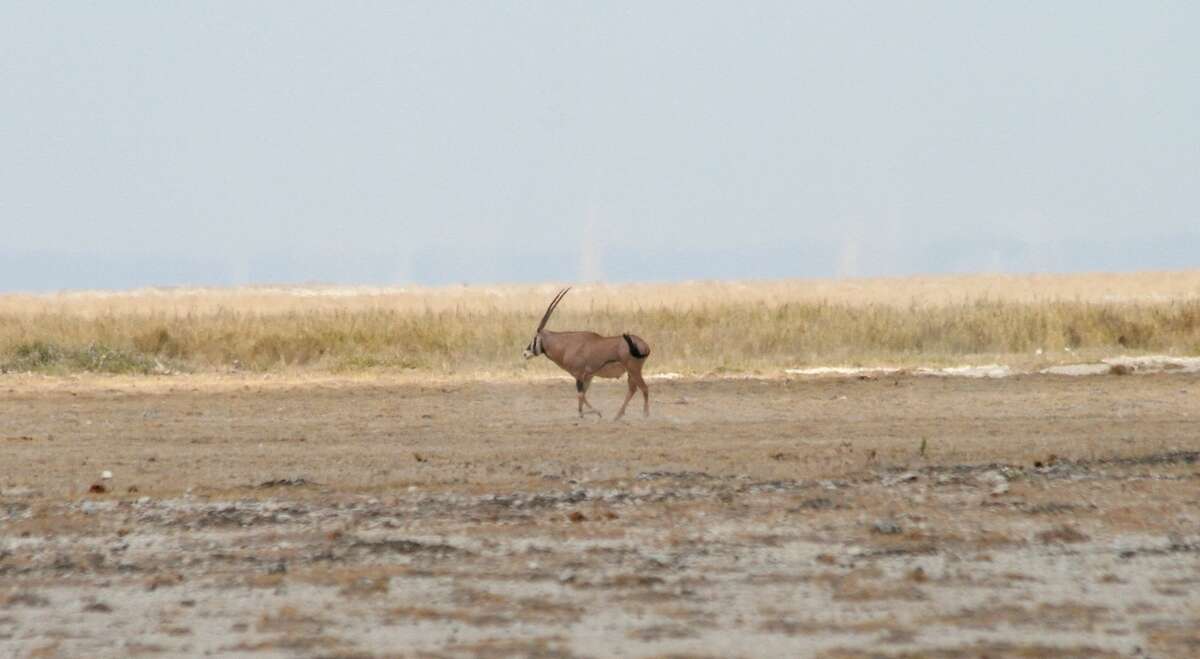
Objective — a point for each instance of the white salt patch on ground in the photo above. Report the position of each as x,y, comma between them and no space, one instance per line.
841,371
984,371
1145,364
1077,369
1157,363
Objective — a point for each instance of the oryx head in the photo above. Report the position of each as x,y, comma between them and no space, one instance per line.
535,346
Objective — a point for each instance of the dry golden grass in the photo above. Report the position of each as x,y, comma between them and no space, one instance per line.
694,328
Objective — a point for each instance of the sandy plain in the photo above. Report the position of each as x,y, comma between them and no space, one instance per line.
891,515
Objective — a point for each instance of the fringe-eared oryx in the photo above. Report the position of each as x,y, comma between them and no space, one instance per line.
586,355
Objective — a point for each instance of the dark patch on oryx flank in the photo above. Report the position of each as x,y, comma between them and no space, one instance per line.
633,348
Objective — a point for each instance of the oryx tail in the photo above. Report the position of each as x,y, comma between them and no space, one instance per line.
641,352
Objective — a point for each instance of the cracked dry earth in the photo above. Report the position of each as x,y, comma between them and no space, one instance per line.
1035,516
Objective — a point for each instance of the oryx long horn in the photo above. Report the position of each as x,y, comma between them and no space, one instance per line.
550,309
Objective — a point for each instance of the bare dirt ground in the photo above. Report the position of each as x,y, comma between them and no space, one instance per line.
896,516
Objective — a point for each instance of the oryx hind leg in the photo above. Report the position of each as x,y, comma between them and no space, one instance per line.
636,382
628,396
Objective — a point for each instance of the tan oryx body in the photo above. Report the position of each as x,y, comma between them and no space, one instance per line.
586,355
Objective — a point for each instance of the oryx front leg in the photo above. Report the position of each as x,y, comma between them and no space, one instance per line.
581,387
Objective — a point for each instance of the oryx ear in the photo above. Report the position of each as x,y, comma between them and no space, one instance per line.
550,309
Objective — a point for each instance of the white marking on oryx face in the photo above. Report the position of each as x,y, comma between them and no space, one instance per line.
533,349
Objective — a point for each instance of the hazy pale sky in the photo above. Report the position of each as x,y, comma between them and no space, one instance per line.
151,143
